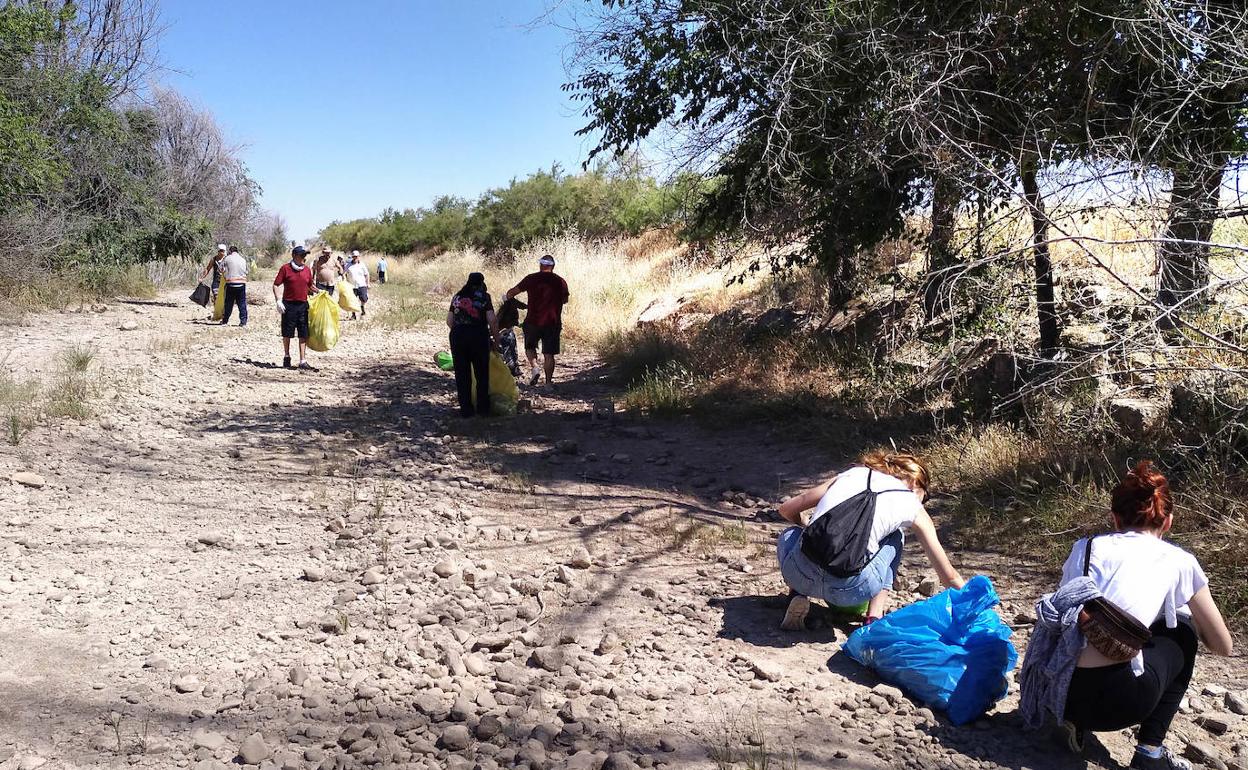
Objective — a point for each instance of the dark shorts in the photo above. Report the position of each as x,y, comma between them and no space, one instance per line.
547,335
362,293
295,320
328,288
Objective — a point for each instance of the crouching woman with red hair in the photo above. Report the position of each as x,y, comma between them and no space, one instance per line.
1115,645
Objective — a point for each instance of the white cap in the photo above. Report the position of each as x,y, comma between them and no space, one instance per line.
355,253
547,261
220,247
326,250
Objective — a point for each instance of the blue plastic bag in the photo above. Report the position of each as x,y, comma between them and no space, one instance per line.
952,651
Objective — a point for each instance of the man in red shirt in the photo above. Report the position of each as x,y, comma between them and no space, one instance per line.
548,293
296,280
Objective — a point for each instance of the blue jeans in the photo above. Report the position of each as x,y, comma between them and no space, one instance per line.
235,294
809,579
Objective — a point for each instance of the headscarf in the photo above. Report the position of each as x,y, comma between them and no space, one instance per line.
475,281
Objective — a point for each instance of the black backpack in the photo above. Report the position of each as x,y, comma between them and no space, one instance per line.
839,541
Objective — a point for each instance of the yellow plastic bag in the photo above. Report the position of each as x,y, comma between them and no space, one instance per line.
322,322
347,299
504,393
218,306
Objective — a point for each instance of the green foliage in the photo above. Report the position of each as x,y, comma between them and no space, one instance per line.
601,203
86,177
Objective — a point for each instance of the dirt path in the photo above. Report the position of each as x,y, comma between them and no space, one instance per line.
235,563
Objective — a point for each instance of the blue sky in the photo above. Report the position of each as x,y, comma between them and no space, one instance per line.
349,107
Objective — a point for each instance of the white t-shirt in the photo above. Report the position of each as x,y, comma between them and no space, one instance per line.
893,511
1147,577
235,267
358,274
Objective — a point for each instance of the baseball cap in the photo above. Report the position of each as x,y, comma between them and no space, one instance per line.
355,253
546,261
220,247
298,251
326,250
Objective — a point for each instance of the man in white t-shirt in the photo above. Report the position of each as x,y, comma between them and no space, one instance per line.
357,273
235,268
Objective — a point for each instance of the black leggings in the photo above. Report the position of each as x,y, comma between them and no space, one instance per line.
470,351
1112,697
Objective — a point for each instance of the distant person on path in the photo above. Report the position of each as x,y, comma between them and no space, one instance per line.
852,556
547,294
473,325
212,274
358,275
326,273
381,270
296,281
235,267
1092,679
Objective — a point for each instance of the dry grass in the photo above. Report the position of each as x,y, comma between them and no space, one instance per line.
610,282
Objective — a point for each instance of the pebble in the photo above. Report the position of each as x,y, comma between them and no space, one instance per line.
1237,703
580,558
444,569
186,684
29,479
254,750
456,738
205,739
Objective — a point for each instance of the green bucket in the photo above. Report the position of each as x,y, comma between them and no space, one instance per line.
444,361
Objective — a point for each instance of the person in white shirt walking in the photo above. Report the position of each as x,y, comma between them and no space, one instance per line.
235,267
357,273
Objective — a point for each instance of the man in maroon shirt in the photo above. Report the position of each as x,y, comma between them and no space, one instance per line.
548,293
296,280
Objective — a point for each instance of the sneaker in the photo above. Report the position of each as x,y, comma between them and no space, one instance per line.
795,615
534,376
1070,736
305,365
286,363
1167,761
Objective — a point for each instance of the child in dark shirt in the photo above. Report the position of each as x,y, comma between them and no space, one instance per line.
508,320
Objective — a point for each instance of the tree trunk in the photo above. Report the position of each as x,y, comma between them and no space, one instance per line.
946,197
1183,259
1046,305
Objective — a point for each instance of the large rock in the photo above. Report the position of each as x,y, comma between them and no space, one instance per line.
1137,416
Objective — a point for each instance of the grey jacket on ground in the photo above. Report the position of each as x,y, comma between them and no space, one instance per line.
1053,652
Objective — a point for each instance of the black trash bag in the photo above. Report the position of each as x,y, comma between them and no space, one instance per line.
202,295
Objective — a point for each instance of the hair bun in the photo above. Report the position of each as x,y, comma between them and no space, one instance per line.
1142,498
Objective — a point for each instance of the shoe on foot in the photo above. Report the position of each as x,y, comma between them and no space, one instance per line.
1070,736
795,615
305,365
286,363
1167,761
534,376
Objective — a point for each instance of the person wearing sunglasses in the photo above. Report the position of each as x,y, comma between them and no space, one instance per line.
848,553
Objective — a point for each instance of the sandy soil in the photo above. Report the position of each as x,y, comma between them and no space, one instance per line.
232,563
